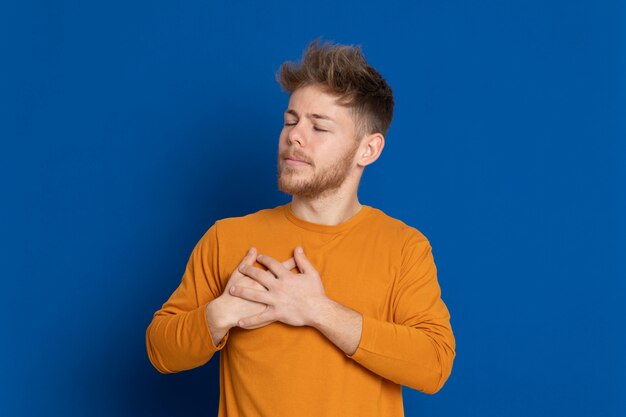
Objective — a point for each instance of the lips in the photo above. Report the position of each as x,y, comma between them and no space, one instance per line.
296,159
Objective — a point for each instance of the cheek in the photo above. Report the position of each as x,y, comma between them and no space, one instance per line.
282,138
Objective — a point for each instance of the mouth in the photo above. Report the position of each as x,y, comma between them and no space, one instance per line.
294,161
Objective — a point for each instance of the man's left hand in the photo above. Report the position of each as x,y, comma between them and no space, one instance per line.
292,298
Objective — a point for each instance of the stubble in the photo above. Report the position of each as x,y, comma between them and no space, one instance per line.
321,183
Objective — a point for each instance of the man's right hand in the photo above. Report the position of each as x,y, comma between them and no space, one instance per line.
225,311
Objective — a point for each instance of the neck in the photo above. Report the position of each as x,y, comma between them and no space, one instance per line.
329,210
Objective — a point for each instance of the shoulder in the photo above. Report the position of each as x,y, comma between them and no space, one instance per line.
261,217
229,230
238,223
407,246
381,222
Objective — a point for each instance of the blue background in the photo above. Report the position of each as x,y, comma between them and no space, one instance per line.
128,128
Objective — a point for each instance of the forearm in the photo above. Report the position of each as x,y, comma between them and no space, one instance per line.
340,324
180,341
418,356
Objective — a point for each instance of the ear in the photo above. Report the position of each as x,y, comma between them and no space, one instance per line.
370,149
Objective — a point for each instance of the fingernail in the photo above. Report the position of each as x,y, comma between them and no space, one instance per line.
299,249
232,289
251,251
240,323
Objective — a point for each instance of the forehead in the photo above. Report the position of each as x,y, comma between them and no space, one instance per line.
313,99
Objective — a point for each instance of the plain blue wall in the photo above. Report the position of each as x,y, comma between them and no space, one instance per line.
128,128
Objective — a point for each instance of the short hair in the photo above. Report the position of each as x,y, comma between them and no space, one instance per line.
343,71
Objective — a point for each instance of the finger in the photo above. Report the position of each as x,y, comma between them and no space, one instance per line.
257,326
249,259
303,263
277,268
250,294
264,278
259,320
289,263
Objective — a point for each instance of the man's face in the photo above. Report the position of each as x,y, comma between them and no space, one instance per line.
317,144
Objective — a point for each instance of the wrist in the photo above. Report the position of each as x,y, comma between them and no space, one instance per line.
340,324
217,319
320,312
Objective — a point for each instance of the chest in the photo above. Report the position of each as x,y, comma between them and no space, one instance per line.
356,270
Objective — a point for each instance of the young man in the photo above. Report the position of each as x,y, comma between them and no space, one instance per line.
335,305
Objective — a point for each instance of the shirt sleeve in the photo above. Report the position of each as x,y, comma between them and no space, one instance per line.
416,348
178,338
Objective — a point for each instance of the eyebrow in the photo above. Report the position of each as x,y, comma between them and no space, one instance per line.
310,115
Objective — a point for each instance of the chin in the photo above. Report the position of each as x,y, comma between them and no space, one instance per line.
289,186
289,176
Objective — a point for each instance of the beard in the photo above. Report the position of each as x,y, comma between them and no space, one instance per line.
321,182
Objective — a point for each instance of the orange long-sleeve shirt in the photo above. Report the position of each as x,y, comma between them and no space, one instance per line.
371,263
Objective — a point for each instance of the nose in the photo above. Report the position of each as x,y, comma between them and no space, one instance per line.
295,135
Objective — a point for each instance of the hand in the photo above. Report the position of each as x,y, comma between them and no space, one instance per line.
291,298
225,311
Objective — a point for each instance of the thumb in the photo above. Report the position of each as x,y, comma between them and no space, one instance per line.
302,262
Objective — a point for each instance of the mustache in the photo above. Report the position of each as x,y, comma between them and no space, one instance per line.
295,155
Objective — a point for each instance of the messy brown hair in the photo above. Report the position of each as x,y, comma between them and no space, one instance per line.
343,71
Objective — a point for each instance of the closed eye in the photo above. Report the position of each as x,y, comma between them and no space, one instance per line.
318,129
